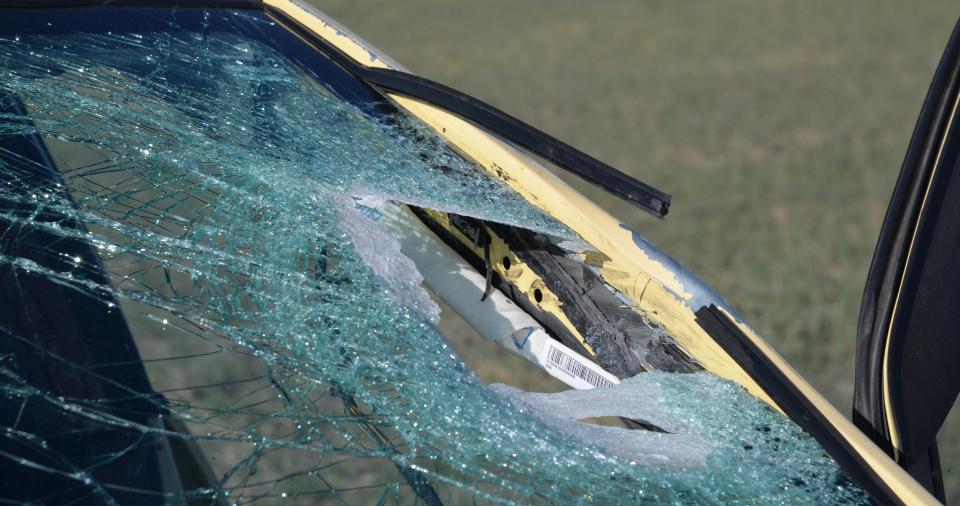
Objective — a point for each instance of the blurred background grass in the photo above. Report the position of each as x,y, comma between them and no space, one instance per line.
778,126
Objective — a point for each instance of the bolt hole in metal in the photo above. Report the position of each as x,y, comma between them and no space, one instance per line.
538,295
506,263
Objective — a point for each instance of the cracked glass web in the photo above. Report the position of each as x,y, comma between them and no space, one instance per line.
194,311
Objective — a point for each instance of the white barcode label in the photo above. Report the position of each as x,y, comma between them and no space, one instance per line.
557,358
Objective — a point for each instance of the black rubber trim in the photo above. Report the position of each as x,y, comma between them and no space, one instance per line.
560,153
590,169
888,267
796,405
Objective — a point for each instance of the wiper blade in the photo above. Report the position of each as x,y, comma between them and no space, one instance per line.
638,193
588,168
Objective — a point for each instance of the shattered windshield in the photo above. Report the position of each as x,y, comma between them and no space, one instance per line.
195,309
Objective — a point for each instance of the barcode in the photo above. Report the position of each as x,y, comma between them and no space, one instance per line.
570,365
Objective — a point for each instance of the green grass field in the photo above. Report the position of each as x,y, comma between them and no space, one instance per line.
779,127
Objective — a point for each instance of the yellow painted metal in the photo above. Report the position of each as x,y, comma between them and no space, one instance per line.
519,274
624,265
335,35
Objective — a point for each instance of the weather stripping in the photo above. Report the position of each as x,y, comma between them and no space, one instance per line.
562,154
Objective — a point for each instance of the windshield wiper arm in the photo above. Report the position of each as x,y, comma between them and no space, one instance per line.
634,191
